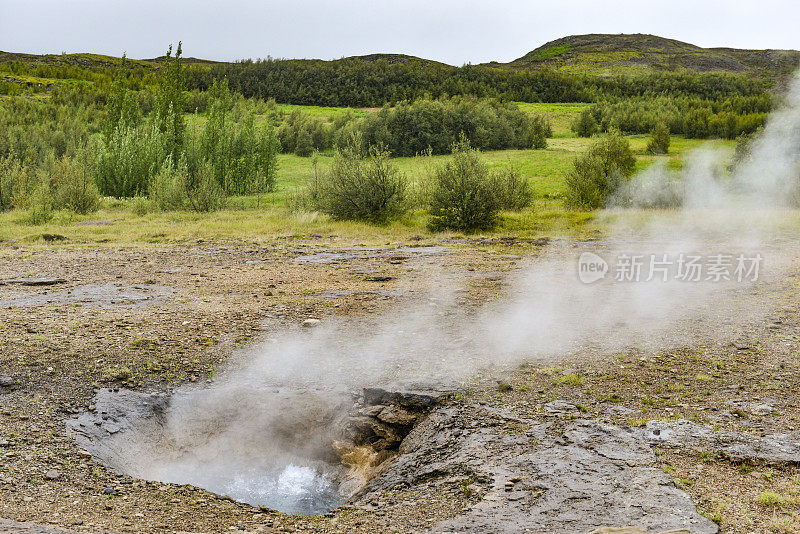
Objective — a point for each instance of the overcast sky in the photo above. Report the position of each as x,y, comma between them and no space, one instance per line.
453,31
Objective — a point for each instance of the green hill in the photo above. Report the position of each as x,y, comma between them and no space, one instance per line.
632,53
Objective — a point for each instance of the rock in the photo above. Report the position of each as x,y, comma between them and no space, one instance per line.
34,281
773,449
311,323
109,490
633,530
619,410
588,475
420,394
395,415
560,406
6,381
52,474
377,278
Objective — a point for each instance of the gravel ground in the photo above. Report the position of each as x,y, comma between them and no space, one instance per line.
156,317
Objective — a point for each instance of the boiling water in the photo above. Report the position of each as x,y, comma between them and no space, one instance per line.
294,489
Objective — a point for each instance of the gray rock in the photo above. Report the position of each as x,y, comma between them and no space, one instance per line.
52,474
13,527
34,281
310,323
395,415
592,475
774,449
560,406
6,381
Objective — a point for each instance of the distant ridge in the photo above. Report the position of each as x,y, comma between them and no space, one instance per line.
598,54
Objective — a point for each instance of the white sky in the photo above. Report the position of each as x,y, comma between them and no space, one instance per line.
453,31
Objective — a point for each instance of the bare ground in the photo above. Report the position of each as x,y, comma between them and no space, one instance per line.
182,311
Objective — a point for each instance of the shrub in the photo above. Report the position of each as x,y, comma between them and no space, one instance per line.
130,158
513,191
168,187
359,187
584,124
464,196
73,185
302,134
659,139
204,192
140,206
243,158
538,132
40,205
599,173
304,146
411,128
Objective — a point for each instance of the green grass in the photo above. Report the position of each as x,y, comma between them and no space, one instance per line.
327,113
561,115
268,216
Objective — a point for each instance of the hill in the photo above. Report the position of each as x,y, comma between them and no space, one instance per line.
606,54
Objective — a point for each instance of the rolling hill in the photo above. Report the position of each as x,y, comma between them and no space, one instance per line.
631,53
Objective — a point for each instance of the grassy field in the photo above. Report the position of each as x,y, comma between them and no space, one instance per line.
271,215
560,115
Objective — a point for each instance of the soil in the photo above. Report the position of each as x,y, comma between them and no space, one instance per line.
151,318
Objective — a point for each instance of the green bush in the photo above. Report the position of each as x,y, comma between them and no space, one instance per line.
690,116
168,187
141,206
302,134
513,191
600,172
464,196
361,186
584,124
243,158
40,205
204,192
659,139
130,158
73,185
411,128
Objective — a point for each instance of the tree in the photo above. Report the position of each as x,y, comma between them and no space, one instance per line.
659,139
172,100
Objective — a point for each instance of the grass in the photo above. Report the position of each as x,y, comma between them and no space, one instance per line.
269,216
774,500
560,115
569,379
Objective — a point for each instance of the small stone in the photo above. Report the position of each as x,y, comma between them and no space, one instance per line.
109,490
52,474
6,381
311,323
